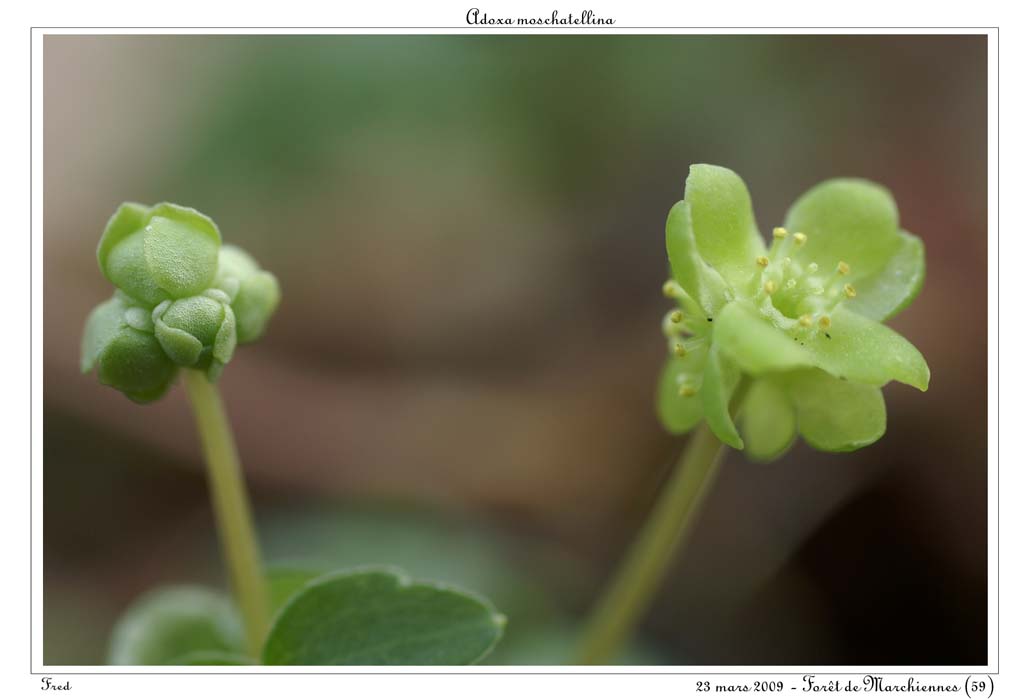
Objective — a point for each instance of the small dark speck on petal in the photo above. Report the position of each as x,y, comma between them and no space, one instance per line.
828,336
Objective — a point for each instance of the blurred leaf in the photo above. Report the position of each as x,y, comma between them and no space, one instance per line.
284,581
166,624
379,617
212,658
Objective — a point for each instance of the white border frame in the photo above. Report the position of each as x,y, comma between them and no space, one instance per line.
36,484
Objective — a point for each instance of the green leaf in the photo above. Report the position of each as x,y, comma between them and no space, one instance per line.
284,581
723,222
678,413
378,617
699,280
888,292
755,343
165,625
835,415
720,379
768,420
863,350
848,220
134,363
181,253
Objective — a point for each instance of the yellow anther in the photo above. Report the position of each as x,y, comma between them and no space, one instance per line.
680,350
805,320
824,322
843,268
780,232
799,239
686,390
812,268
849,290
762,260
675,317
670,289
770,287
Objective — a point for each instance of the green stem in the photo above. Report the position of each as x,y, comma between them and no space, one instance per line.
616,616
231,508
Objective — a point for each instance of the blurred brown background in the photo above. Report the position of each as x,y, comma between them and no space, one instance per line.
469,233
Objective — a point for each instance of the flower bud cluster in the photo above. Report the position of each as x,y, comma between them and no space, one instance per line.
182,300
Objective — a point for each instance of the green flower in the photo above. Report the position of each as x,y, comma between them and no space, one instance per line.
795,326
182,300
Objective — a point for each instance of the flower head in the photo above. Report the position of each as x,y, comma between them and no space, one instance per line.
182,300
792,328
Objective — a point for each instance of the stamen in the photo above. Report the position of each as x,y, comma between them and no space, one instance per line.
849,290
805,320
825,322
799,239
791,283
676,317
672,290
780,232
812,268
770,287
843,268
680,350
762,260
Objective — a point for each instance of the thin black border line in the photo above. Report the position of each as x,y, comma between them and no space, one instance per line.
970,30
32,30
32,354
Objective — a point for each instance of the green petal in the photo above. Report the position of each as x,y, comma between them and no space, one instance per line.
104,322
855,347
225,340
723,222
134,363
182,252
889,292
129,218
680,414
835,415
848,220
126,267
181,347
258,298
755,343
254,293
696,277
188,330
768,420
720,379
233,263
863,350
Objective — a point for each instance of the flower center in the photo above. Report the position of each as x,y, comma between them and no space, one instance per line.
801,292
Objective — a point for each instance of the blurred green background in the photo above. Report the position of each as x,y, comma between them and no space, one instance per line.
469,233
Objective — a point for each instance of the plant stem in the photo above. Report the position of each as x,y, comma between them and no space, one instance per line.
626,599
231,508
